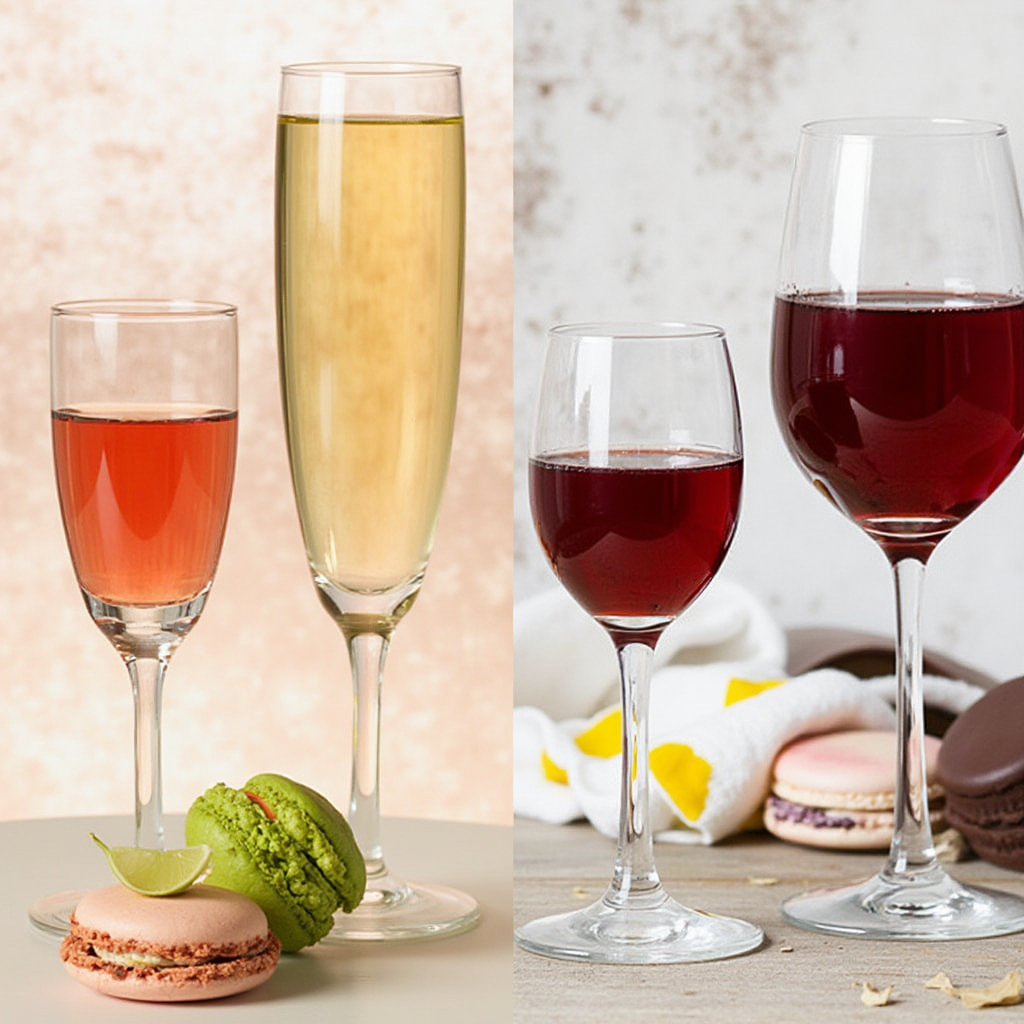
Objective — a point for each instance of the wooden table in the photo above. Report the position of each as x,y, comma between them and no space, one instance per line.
796,976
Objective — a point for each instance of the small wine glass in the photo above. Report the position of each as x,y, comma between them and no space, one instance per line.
144,401
898,379
636,464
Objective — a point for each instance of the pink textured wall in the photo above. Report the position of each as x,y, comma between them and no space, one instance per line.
136,159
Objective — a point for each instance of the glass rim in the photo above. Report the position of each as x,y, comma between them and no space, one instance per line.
897,126
143,309
637,330
371,69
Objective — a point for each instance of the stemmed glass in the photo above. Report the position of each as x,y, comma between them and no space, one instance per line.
636,465
898,381
370,253
144,401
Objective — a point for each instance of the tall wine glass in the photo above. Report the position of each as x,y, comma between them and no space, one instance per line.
370,252
144,401
898,379
636,464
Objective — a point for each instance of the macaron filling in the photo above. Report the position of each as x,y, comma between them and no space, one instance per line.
79,952
136,954
135,959
814,817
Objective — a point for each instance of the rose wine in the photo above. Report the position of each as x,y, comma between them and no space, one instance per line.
640,536
906,409
370,240
144,495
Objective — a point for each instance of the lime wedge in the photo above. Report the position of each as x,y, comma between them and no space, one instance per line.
156,872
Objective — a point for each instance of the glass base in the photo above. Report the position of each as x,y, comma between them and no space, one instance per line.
928,906
667,933
396,911
52,914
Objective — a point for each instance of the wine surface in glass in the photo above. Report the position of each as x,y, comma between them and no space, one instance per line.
370,256
906,409
144,494
641,536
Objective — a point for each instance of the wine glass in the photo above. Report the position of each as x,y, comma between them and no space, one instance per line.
370,254
144,401
636,465
898,382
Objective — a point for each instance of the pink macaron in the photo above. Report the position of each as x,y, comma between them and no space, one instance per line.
836,790
204,943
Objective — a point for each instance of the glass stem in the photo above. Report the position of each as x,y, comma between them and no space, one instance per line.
635,882
147,677
912,852
367,652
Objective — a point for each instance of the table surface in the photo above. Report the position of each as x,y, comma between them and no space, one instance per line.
464,978
797,975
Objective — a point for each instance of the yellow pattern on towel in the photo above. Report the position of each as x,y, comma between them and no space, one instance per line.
552,772
603,737
682,774
714,732
741,689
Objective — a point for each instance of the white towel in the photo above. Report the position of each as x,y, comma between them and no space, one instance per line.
566,665
715,727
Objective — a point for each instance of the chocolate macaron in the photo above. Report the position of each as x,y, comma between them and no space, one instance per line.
981,768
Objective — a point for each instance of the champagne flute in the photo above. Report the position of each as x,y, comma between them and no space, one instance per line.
898,382
636,465
144,400
370,253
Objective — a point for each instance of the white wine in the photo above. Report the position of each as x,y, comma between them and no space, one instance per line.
370,252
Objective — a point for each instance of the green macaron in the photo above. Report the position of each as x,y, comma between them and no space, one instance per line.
285,846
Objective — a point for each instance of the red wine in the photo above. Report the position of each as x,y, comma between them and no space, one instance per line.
907,410
144,499
639,537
